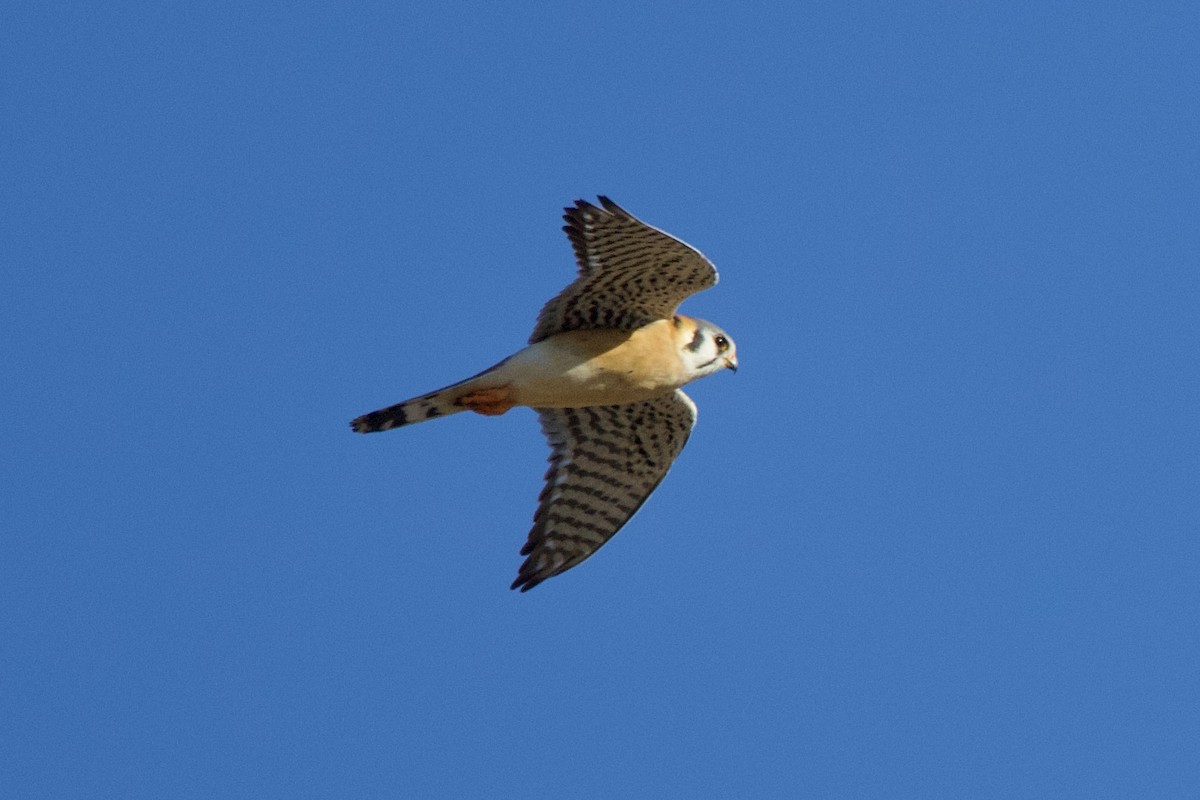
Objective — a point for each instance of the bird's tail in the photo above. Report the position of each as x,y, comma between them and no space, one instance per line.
427,406
442,403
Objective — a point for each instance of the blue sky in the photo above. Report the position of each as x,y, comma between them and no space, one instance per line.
937,537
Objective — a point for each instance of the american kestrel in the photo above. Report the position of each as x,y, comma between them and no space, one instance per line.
603,370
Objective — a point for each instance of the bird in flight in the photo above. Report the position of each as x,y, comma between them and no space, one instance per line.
603,370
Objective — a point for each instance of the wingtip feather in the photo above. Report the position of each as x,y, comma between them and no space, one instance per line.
611,207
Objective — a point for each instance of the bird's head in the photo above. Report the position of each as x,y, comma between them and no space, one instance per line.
704,347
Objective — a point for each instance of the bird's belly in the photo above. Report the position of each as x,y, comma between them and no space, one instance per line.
584,386
571,374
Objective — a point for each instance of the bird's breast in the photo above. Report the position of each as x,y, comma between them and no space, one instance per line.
595,367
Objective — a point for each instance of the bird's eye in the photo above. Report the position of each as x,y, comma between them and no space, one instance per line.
722,343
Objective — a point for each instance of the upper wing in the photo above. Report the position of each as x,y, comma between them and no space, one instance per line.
604,462
629,273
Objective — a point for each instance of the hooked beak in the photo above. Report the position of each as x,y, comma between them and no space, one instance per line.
731,363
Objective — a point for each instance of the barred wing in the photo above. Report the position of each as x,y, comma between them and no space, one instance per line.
604,462
630,273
